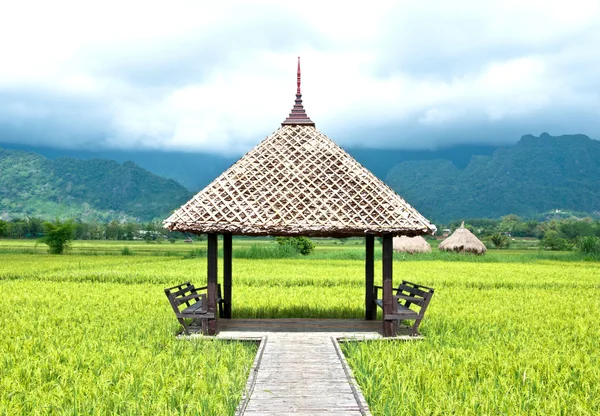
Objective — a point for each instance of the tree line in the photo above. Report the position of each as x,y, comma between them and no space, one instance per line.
33,228
554,234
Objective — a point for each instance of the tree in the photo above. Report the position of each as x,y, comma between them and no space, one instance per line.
573,229
114,231
302,245
510,224
553,241
58,235
500,241
589,245
3,228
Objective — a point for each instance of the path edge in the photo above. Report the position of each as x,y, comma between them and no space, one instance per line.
356,391
251,382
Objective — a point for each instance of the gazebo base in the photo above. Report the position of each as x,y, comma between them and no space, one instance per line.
338,328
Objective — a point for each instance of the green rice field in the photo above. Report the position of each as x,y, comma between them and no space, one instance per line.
513,332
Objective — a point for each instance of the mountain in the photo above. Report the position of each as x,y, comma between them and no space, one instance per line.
196,170
381,161
192,170
32,185
536,175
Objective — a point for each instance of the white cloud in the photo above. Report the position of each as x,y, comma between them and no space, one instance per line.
207,76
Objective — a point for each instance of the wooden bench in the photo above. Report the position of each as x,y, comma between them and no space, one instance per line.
411,301
188,303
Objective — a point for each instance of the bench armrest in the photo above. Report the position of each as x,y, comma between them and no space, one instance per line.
376,291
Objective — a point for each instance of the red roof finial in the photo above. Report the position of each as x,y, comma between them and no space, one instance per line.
298,91
298,115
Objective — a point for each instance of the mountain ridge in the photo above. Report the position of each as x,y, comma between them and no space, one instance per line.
32,185
536,175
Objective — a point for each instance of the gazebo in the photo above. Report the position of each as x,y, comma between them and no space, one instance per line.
298,182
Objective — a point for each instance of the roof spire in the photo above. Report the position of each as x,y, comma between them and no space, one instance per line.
298,90
298,115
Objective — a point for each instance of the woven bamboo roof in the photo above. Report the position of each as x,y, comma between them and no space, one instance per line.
297,181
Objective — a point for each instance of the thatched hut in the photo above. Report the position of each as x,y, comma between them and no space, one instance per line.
298,182
411,245
463,241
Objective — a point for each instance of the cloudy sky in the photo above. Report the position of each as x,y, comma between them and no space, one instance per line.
203,76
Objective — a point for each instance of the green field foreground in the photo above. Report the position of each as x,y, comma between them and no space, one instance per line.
94,334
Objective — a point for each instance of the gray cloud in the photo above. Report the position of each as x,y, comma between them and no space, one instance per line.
403,75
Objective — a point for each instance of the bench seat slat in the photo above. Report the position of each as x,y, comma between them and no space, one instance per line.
196,308
403,310
207,315
412,299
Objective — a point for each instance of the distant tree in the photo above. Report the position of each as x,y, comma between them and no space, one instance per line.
114,231
553,241
302,245
17,229
510,224
58,235
130,230
33,227
589,245
3,228
574,229
500,240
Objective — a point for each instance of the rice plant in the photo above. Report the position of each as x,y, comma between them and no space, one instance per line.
94,333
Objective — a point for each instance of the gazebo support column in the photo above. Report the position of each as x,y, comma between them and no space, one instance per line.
390,326
212,268
227,248
370,307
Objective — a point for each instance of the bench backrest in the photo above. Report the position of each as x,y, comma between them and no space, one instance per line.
183,295
421,293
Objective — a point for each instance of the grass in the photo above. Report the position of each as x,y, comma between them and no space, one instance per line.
510,333
96,348
513,352
266,248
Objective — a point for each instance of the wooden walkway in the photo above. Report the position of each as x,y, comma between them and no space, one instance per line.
299,368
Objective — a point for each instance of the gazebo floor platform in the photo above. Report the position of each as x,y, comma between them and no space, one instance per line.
357,329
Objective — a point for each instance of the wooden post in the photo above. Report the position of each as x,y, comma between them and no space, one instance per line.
370,307
390,326
212,268
227,245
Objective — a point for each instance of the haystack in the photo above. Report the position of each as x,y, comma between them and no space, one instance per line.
463,241
411,245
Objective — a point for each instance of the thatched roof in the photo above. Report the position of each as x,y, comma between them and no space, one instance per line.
411,245
463,241
298,182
